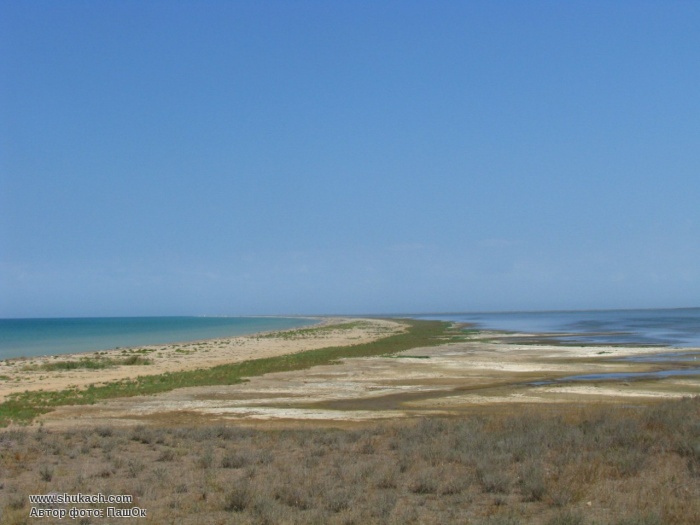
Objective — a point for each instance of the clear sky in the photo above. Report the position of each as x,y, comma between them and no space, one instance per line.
275,157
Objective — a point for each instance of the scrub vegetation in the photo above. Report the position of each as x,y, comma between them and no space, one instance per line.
93,363
545,465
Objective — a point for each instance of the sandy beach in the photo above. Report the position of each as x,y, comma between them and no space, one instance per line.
22,374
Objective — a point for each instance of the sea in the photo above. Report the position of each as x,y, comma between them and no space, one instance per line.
53,336
677,327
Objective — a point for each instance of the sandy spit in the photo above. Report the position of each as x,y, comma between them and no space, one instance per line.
28,374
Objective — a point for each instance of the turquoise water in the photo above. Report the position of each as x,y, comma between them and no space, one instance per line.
35,337
673,327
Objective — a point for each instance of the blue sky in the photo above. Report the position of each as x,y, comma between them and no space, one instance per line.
273,157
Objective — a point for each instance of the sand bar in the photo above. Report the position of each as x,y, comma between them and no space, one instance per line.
22,374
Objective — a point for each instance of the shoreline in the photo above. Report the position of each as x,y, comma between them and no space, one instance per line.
458,372
34,373
676,327
109,346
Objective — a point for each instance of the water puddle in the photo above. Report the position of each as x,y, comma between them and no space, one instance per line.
622,376
669,357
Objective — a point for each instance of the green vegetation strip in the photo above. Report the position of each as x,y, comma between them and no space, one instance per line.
25,406
314,330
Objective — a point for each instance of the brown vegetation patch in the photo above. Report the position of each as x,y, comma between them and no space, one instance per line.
540,465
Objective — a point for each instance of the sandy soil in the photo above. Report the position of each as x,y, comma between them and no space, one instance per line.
19,375
444,380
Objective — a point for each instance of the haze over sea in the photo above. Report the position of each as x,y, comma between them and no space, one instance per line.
674,327
36,337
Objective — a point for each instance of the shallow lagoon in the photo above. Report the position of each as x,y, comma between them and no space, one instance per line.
678,327
624,376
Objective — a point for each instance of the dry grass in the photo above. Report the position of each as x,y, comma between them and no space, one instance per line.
580,466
